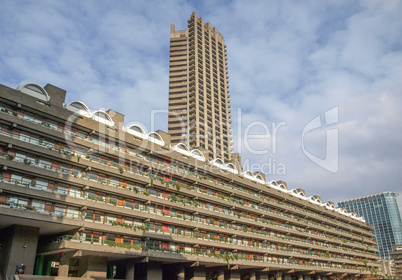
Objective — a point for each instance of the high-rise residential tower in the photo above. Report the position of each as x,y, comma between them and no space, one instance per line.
380,210
199,112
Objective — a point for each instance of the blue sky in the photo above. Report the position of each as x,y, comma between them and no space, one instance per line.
289,62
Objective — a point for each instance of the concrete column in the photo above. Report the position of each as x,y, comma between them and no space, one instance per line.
221,274
180,273
234,275
253,276
287,277
64,264
199,273
307,277
92,267
154,271
300,277
148,271
279,275
319,277
264,276
18,248
130,268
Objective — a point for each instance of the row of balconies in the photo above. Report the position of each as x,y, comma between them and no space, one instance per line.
210,199
209,228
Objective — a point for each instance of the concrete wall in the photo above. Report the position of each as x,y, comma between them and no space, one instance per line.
19,245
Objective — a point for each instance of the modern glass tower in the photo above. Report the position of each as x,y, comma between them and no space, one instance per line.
199,114
380,210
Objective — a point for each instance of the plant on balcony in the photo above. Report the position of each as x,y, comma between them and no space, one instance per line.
121,170
146,193
111,201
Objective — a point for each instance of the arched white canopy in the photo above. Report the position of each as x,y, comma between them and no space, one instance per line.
156,138
79,108
102,117
34,90
195,153
137,130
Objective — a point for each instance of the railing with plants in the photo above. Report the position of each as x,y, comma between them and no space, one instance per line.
99,141
151,209
142,247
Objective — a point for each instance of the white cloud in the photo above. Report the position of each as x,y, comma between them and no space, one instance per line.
288,61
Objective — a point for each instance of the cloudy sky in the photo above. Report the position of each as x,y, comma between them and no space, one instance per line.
325,72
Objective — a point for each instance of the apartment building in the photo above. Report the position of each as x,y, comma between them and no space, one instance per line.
83,195
396,255
199,109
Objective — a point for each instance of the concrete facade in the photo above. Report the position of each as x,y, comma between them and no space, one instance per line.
199,109
106,202
396,255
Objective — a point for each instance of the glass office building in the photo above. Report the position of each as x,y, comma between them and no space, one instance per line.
380,210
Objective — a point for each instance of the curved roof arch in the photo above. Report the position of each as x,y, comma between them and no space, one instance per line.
182,146
248,172
34,90
282,187
79,108
219,161
197,154
156,138
259,177
136,130
231,166
102,116
249,175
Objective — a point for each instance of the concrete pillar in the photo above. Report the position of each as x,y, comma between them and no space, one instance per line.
180,273
221,274
264,276
253,276
130,269
148,271
234,275
287,277
154,271
92,267
199,273
18,248
279,275
300,277
307,277
64,264
319,277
